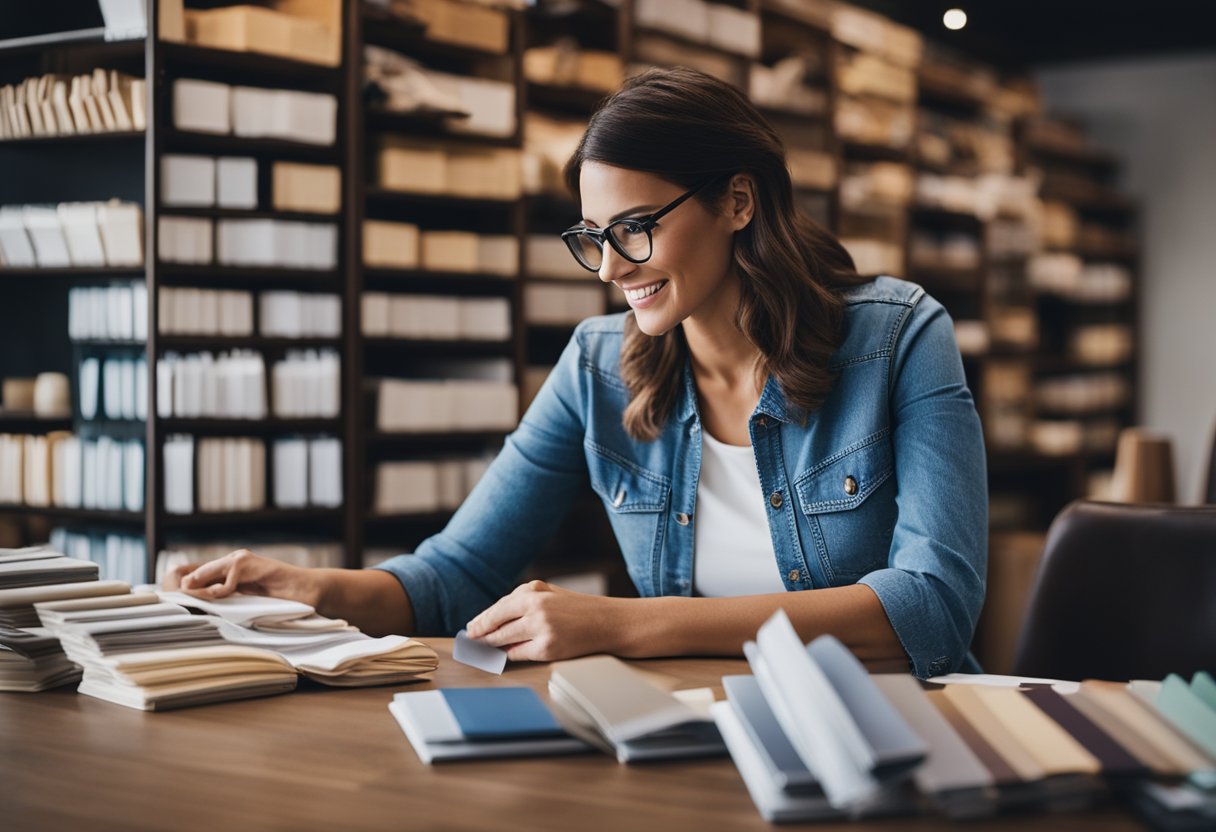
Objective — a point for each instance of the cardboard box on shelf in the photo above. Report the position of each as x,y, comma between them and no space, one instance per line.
301,187
390,244
258,29
449,251
464,24
485,174
412,167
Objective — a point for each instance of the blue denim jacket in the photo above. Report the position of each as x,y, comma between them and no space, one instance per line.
884,485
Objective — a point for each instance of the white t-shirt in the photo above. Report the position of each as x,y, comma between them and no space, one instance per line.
732,548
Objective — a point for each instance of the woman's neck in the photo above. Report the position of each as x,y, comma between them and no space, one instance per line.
722,356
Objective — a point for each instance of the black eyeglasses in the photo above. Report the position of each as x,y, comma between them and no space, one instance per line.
631,237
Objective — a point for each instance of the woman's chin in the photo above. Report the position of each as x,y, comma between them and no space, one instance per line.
653,323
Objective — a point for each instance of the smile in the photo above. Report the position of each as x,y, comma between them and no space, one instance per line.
645,291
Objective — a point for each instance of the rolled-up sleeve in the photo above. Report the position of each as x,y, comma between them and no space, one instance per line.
509,516
933,587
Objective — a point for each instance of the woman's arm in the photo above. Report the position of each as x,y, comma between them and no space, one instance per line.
372,600
540,622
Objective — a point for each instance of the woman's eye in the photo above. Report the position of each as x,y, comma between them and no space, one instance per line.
632,228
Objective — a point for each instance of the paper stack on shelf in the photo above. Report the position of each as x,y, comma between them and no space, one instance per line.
253,112
414,166
307,472
607,704
178,472
118,385
300,187
445,405
299,32
226,385
391,245
479,26
425,486
276,243
185,240
562,305
118,312
566,64
426,317
62,470
80,234
184,311
231,474
119,557
307,384
299,315
104,101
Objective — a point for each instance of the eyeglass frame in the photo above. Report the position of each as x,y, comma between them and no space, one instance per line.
647,223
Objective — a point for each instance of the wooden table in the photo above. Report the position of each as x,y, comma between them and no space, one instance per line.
328,758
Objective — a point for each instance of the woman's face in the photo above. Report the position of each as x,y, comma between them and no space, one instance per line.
691,269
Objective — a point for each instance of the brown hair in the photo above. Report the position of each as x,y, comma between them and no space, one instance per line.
685,127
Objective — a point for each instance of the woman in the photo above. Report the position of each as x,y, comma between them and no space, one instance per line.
765,428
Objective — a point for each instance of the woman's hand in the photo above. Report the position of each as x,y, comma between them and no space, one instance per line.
543,623
243,571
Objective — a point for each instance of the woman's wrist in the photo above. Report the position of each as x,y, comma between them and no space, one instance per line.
637,627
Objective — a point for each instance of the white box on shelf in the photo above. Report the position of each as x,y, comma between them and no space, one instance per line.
16,250
325,472
79,221
121,225
187,181
202,106
236,183
46,233
184,240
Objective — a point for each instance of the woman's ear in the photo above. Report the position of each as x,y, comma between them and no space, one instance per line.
740,201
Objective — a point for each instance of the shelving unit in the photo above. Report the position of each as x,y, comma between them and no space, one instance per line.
67,168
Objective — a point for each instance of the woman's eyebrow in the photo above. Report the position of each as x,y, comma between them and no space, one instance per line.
634,210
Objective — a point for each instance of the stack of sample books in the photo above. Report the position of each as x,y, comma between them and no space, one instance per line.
604,702
150,652
477,723
814,736
31,658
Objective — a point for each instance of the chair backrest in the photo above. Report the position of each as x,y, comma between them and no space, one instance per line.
1123,592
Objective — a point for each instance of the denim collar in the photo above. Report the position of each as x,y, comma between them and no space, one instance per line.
772,400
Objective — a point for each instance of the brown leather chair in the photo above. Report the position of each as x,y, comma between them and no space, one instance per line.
1123,592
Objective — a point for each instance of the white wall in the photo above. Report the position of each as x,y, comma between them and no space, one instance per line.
1159,116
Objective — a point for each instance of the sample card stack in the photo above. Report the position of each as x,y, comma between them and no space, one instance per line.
437,317
31,658
229,385
81,234
65,105
150,652
605,703
814,736
307,472
421,485
117,312
63,470
113,388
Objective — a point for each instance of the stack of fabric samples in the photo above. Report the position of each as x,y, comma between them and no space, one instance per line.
150,651
815,736
31,659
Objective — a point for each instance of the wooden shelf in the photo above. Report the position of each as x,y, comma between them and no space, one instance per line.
381,28
240,277
431,441
282,518
76,139
73,273
252,342
245,214
26,421
268,426
232,145
248,67
875,152
433,127
78,515
76,39
437,347
424,281
375,193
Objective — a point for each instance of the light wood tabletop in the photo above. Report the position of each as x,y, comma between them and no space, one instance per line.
332,758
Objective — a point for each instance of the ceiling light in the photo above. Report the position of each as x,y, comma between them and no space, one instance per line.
954,19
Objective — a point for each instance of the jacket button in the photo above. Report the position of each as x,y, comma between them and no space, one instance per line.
682,519
775,499
794,574
850,486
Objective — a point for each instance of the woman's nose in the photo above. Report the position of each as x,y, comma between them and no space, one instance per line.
613,267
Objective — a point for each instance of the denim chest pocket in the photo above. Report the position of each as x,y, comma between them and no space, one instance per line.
636,500
849,504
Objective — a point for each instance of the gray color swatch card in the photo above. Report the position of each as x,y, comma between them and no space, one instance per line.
478,654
